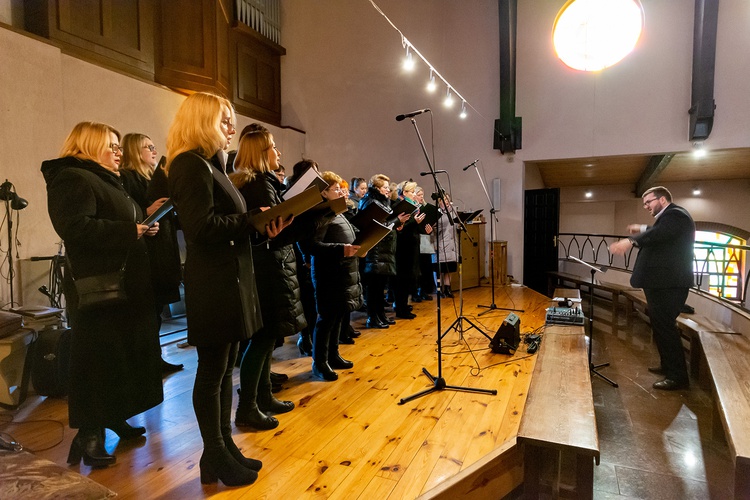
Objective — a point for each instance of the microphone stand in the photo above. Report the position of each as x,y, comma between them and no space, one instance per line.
592,366
439,383
492,306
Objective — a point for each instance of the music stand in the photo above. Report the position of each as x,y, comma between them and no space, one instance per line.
492,306
438,382
592,366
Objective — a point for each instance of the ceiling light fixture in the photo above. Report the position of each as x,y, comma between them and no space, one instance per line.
432,86
462,115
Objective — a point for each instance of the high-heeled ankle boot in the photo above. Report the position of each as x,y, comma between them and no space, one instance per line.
249,415
249,463
304,344
219,464
89,445
126,431
267,402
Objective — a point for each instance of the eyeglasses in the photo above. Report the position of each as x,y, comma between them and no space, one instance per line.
647,203
116,148
150,147
228,123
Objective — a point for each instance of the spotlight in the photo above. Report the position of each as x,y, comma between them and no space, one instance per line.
463,110
409,61
696,192
448,102
431,86
589,194
698,150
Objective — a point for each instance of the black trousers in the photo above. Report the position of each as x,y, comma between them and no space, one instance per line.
212,393
326,336
375,290
664,305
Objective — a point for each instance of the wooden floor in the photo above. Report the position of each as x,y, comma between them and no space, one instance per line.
346,439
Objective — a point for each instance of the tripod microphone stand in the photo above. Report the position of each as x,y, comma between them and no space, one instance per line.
438,382
492,306
592,366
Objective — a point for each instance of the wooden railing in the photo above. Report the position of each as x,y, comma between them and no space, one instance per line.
594,248
263,16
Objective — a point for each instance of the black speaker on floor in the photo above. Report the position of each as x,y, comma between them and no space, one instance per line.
508,336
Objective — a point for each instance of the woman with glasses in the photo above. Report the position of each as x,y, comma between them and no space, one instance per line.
335,275
115,370
275,273
221,298
141,180
407,254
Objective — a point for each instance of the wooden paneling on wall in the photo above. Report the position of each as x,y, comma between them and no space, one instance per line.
114,33
191,45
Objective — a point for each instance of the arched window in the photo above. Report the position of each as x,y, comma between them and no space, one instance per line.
719,269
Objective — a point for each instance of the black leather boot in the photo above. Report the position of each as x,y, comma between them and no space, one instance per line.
219,464
268,403
339,363
89,445
249,463
324,371
249,415
304,344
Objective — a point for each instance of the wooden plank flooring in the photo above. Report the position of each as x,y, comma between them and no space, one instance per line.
346,439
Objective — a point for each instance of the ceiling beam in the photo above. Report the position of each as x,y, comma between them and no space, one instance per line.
650,175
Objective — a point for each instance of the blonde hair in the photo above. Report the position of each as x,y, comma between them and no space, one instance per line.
131,155
252,156
88,140
379,180
331,178
197,125
407,186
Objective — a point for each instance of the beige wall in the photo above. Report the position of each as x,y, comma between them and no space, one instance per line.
44,93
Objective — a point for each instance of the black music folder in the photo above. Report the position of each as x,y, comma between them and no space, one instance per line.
160,212
371,236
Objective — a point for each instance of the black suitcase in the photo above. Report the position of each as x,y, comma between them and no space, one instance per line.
50,362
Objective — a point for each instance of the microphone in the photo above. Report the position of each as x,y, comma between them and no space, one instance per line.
436,171
467,167
413,113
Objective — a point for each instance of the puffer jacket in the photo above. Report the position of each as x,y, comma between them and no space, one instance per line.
381,259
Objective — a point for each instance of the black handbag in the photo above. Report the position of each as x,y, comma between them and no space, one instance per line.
100,290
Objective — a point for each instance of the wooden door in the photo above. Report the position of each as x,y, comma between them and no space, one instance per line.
540,230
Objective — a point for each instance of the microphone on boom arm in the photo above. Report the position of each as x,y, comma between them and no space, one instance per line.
412,114
436,171
467,167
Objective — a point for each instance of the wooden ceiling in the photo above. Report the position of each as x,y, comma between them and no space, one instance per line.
608,170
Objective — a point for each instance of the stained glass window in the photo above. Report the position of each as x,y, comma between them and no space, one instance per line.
719,269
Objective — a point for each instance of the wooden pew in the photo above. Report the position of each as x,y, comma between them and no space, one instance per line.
728,360
691,325
558,425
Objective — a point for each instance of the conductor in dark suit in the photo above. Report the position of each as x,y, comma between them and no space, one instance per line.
664,269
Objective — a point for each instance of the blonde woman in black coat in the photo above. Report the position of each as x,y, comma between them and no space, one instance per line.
115,357
220,294
275,274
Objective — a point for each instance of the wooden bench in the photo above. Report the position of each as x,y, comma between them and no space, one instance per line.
728,359
558,423
555,278
691,325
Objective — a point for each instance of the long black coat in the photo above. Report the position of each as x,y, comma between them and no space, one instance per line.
221,299
336,278
381,259
275,264
665,251
115,360
163,248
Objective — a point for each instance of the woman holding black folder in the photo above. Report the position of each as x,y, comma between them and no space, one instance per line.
221,298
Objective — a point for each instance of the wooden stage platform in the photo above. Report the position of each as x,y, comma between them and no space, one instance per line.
350,438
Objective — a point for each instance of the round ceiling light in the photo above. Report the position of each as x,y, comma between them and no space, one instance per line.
590,35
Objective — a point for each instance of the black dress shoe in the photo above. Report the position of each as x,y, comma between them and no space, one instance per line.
405,315
167,367
386,319
670,385
278,378
375,323
324,371
339,363
89,446
656,369
346,340
126,431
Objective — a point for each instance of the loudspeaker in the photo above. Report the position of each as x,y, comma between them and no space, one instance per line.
508,336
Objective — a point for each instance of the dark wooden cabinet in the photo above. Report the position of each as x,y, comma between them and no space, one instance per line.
187,45
114,33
